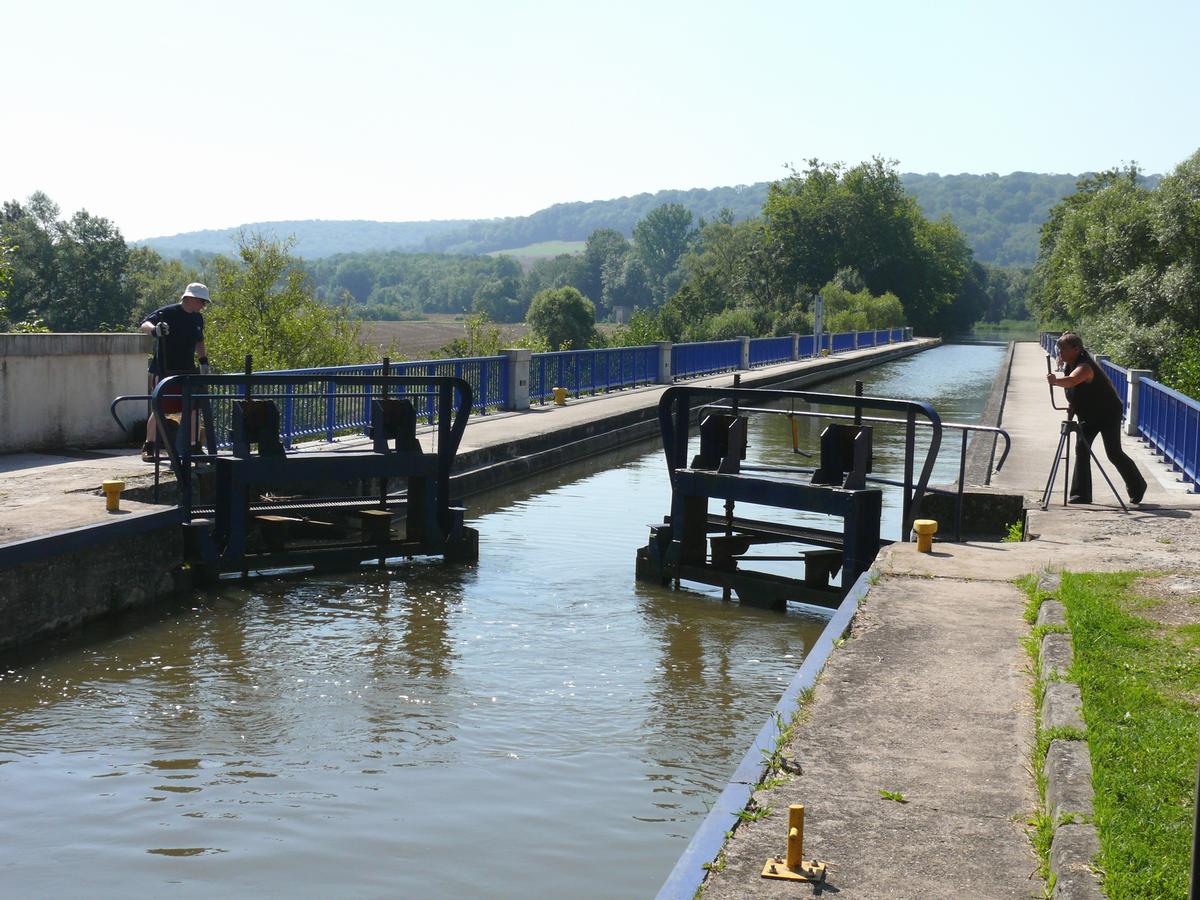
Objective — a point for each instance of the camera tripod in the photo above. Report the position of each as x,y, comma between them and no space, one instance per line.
1069,426
1066,429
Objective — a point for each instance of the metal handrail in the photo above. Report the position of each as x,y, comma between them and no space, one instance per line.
964,427
451,417
675,428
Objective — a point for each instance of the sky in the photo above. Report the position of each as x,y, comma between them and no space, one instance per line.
167,117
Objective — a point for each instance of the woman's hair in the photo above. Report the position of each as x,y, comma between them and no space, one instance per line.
1069,339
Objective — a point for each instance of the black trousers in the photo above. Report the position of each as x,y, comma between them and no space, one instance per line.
1110,431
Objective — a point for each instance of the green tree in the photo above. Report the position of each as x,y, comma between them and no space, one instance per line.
263,304
606,250
563,317
70,273
661,239
155,282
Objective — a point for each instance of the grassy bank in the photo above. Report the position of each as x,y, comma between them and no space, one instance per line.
1137,662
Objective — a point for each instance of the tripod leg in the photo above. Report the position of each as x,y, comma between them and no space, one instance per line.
1112,486
1058,454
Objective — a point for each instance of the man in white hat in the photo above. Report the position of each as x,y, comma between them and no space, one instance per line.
179,333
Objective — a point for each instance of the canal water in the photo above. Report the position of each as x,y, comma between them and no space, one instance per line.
540,722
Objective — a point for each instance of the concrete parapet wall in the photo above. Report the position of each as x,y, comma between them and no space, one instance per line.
55,591
55,389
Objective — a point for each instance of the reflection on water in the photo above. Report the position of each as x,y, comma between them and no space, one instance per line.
539,722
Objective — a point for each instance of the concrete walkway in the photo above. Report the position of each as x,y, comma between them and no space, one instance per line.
45,493
930,695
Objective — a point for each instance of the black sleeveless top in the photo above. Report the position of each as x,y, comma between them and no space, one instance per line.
1095,400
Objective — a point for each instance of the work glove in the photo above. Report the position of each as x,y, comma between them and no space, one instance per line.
162,329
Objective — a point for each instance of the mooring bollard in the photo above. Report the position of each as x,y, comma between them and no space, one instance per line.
112,494
925,529
793,866
560,396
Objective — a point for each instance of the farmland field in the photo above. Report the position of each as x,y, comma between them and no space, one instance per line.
423,339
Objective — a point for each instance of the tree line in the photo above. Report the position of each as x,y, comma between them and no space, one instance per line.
1119,261
852,233
1000,215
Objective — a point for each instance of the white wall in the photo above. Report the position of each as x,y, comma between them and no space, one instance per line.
55,389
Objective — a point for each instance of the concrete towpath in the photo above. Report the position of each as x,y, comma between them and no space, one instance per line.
45,493
930,695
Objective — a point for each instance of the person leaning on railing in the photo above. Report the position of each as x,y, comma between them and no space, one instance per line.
179,339
1094,401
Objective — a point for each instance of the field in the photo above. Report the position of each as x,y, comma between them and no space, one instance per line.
421,340
531,253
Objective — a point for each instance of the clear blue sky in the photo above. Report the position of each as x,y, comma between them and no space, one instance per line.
167,116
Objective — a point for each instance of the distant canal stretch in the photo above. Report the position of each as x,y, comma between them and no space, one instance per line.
538,724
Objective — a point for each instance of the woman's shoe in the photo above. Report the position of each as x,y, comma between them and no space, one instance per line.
1137,495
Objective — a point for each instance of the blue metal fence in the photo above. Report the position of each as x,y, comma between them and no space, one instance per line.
1170,423
767,351
842,342
321,409
705,358
589,371
1120,379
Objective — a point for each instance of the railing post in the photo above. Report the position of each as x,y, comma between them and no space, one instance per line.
745,360
518,378
1135,399
856,340
663,375
908,333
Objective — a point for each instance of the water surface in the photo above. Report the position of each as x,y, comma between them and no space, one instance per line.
537,723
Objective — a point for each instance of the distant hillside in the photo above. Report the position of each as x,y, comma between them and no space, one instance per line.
575,221
1000,215
314,237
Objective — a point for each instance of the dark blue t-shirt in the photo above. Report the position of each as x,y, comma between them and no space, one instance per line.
178,348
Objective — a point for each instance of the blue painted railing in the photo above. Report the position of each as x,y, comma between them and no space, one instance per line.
705,358
842,342
590,371
1170,423
1120,378
321,409
768,351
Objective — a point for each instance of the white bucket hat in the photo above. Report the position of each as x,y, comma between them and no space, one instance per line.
197,290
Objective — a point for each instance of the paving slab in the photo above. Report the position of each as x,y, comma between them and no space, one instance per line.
928,698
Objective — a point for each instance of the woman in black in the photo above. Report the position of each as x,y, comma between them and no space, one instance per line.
1094,401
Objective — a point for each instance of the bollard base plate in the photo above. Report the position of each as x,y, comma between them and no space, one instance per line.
808,870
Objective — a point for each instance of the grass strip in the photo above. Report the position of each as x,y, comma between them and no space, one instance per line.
1140,683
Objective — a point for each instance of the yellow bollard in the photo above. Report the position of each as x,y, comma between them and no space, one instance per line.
925,529
560,396
793,866
112,495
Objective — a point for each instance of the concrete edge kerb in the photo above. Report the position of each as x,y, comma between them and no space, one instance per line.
1067,765
689,872
981,453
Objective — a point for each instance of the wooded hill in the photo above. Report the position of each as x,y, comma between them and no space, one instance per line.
1001,216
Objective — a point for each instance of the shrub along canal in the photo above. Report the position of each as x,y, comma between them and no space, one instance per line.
540,722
